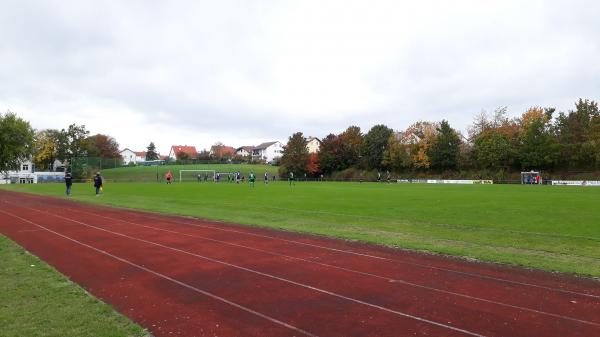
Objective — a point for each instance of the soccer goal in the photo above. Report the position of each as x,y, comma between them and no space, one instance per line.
196,175
531,178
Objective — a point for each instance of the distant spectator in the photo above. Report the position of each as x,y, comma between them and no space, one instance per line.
98,183
69,183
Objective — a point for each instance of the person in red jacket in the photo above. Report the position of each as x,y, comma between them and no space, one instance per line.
169,177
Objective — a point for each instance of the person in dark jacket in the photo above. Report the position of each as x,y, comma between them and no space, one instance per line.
98,183
69,183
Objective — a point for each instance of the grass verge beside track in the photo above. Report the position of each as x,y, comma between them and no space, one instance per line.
36,300
546,227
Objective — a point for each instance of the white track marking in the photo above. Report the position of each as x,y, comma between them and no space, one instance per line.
188,286
167,218
350,299
498,279
388,279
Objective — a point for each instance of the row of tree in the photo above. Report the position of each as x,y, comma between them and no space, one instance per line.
539,139
75,141
20,142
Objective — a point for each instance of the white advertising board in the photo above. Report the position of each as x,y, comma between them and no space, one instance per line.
576,182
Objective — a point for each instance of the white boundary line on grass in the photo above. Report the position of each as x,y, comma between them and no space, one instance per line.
213,296
350,299
389,279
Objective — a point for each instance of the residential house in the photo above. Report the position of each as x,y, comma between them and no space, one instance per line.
220,151
269,151
190,151
244,151
313,144
130,156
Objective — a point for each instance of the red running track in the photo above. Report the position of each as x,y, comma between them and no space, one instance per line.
189,277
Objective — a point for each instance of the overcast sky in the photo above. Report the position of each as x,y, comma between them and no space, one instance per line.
243,72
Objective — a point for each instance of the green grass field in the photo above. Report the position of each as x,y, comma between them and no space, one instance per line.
36,300
149,173
547,227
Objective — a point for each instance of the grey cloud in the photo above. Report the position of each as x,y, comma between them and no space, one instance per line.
242,70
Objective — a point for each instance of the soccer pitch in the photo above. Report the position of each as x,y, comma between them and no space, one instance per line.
546,227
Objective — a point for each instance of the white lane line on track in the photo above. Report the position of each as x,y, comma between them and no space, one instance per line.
388,279
213,296
375,306
167,218
498,279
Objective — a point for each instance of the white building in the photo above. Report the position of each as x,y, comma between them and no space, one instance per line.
130,156
268,151
244,151
313,144
24,175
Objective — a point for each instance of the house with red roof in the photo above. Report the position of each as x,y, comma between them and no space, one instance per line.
177,150
220,151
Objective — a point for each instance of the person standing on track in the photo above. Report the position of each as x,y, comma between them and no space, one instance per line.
69,183
98,183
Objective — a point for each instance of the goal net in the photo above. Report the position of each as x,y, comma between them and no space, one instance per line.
531,178
196,175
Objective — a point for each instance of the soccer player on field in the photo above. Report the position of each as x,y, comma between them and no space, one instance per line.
291,179
266,177
251,178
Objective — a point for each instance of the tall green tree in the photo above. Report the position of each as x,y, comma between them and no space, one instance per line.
537,148
445,150
16,141
329,154
574,132
350,142
151,153
374,145
72,142
295,156
492,149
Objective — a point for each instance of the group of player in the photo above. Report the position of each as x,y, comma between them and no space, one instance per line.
236,177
